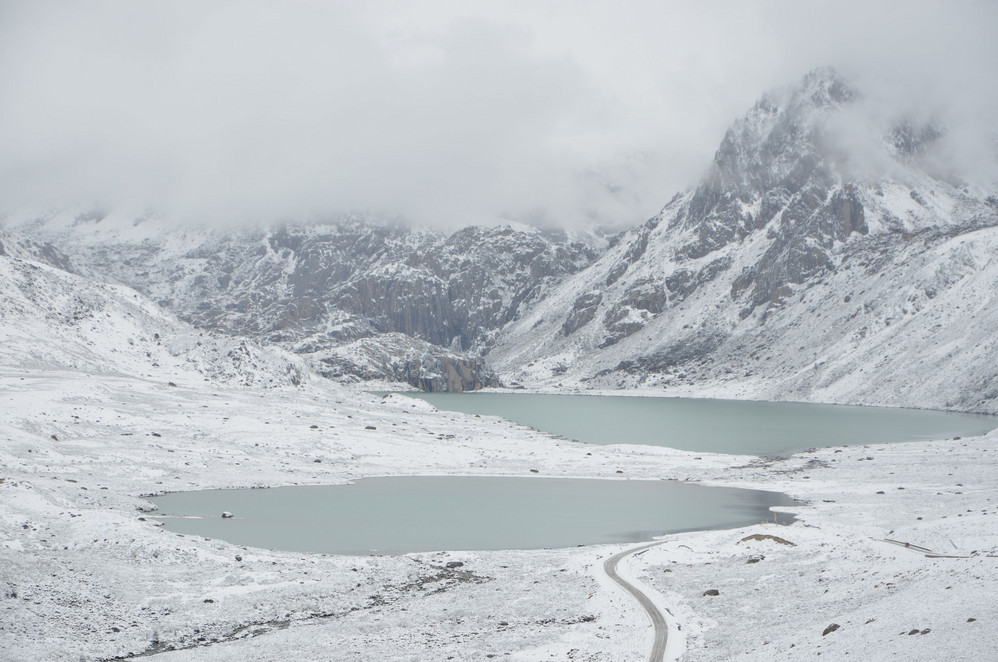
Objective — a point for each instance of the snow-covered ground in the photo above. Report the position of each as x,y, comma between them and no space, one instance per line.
86,574
105,398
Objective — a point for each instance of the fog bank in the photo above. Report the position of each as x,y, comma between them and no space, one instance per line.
447,113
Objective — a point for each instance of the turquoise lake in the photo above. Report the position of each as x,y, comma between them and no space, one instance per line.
396,515
703,425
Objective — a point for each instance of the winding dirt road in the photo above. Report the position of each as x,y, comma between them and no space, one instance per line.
657,618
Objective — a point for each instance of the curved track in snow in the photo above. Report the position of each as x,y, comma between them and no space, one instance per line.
654,613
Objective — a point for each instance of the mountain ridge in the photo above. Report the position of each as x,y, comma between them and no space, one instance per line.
698,297
433,301
822,256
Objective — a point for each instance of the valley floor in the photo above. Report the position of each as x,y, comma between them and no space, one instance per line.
86,573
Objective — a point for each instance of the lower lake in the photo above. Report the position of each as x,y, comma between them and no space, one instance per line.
397,515
720,426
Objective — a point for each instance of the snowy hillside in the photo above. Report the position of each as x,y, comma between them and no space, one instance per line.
894,544
422,295
801,267
53,320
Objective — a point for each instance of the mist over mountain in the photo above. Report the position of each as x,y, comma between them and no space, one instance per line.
227,227
807,264
826,254
555,114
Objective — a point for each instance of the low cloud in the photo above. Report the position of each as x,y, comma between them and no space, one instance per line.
444,113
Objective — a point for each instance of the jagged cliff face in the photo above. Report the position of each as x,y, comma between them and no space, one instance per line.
776,170
799,268
426,305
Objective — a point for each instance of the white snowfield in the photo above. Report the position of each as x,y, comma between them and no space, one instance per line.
96,410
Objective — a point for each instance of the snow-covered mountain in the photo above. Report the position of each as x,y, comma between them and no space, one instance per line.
826,255
358,299
816,260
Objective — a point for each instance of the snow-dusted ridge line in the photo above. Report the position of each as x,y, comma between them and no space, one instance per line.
357,299
789,273
800,268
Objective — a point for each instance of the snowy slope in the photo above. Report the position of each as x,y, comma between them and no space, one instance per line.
793,271
317,289
85,572
53,320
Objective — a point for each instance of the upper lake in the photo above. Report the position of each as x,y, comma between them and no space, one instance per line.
720,426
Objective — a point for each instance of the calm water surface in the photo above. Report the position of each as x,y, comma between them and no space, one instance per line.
413,514
398,515
723,426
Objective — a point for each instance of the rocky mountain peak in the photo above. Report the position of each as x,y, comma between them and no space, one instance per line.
779,144
801,153
823,86
777,150
817,218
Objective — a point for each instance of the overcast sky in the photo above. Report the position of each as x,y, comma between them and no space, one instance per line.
439,112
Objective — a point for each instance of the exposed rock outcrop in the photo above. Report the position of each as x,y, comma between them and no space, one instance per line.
313,288
398,357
